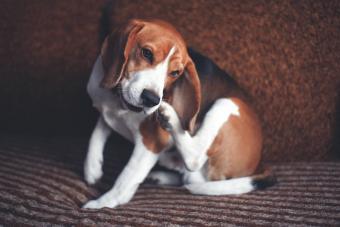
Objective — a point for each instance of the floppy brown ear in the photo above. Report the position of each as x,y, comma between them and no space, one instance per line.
115,52
186,97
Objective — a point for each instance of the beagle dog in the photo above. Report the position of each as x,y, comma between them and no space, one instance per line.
152,90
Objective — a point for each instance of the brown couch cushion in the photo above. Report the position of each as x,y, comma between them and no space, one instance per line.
41,185
286,54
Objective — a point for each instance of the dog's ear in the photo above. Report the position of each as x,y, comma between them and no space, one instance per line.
186,96
115,52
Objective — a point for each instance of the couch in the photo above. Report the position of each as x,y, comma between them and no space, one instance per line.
285,54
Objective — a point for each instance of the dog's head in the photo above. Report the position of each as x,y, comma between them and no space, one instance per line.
148,61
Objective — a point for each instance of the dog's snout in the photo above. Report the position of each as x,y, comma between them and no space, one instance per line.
149,98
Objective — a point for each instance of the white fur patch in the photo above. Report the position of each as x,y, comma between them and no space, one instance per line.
226,187
98,94
193,177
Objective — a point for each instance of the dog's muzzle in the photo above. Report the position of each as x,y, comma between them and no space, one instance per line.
126,103
149,98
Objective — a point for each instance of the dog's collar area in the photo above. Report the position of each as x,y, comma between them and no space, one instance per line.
131,107
125,103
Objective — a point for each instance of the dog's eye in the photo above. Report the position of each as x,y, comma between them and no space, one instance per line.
147,54
175,73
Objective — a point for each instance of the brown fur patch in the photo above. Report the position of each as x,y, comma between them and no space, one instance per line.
155,138
236,151
185,96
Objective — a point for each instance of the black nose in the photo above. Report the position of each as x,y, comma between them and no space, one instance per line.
149,98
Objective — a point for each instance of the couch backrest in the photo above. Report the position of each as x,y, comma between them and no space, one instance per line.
286,54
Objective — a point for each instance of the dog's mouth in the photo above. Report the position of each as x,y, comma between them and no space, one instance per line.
126,103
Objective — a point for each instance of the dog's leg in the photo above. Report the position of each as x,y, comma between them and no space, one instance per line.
172,160
94,159
194,149
134,173
164,178
193,177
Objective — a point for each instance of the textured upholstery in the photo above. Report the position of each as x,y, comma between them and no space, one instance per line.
41,184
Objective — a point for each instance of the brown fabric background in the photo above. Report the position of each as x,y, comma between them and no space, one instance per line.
46,55
284,53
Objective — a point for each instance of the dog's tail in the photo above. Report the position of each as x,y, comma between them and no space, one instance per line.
234,186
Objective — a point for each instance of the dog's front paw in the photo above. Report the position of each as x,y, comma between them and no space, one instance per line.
92,204
163,119
93,169
100,203
106,200
167,117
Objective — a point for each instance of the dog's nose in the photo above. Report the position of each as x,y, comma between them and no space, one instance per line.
149,98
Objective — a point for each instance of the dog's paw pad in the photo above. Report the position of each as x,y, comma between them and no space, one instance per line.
167,116
164,118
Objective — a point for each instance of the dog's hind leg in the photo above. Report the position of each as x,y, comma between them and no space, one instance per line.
164,178
172,160
194,148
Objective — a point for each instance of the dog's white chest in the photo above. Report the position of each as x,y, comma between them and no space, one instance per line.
124,122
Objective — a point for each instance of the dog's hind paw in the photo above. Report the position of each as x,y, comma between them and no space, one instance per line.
167,117
163,178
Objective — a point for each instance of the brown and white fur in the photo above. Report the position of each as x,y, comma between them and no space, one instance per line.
170,100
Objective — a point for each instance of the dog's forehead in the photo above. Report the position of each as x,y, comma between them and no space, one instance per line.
158,30
161,39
